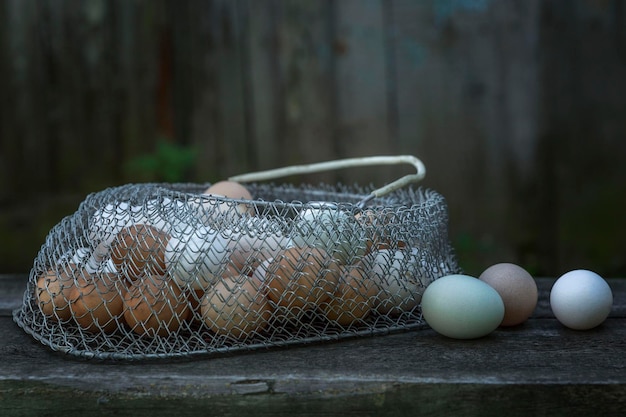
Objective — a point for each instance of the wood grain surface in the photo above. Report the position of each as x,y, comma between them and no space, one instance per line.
538,368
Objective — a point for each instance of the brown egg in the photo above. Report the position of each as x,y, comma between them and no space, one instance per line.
194,297
236,307
238,265
516,287
354,298
54,289
301,278
194,300
139,249
154,305
97,302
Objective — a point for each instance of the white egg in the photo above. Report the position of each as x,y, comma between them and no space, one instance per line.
581,299
109,220
80,255
195,256
462,307
260,272
325,226
92,261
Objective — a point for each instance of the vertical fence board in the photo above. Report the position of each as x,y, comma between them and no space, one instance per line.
582,130
362,83
517,108
195,83
231,88
307,85
264,78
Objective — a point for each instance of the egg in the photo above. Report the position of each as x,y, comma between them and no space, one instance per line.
95,261
236,307
100,262
335,231
155,306
462,307
260,272
254,240
139,249
194,300
302,278
230,189
400,277
353,299
195,257
581,299
54,290
96,302
198,256
517,289
375,224
108,221
227,210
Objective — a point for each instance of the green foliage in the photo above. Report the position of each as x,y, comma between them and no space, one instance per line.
169,163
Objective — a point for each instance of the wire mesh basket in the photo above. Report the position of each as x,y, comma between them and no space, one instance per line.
176,270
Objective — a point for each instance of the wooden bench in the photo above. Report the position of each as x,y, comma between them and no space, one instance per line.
538,368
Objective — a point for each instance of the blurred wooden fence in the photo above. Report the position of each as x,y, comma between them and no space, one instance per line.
518,109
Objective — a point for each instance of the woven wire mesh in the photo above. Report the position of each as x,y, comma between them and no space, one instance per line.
164,270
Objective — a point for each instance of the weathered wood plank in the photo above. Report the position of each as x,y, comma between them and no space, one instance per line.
463,400
538,368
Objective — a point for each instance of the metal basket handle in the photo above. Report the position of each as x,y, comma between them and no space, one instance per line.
346,163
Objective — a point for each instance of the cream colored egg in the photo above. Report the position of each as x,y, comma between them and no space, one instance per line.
99,260
220,211
400,278
229,189
236,307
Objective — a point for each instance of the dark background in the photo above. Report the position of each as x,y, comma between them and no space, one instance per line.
517,108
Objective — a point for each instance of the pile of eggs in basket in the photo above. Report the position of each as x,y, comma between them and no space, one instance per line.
152,275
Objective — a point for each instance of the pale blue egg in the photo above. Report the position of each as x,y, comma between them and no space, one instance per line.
462,307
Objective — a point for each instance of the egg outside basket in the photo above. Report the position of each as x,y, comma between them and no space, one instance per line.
164,271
